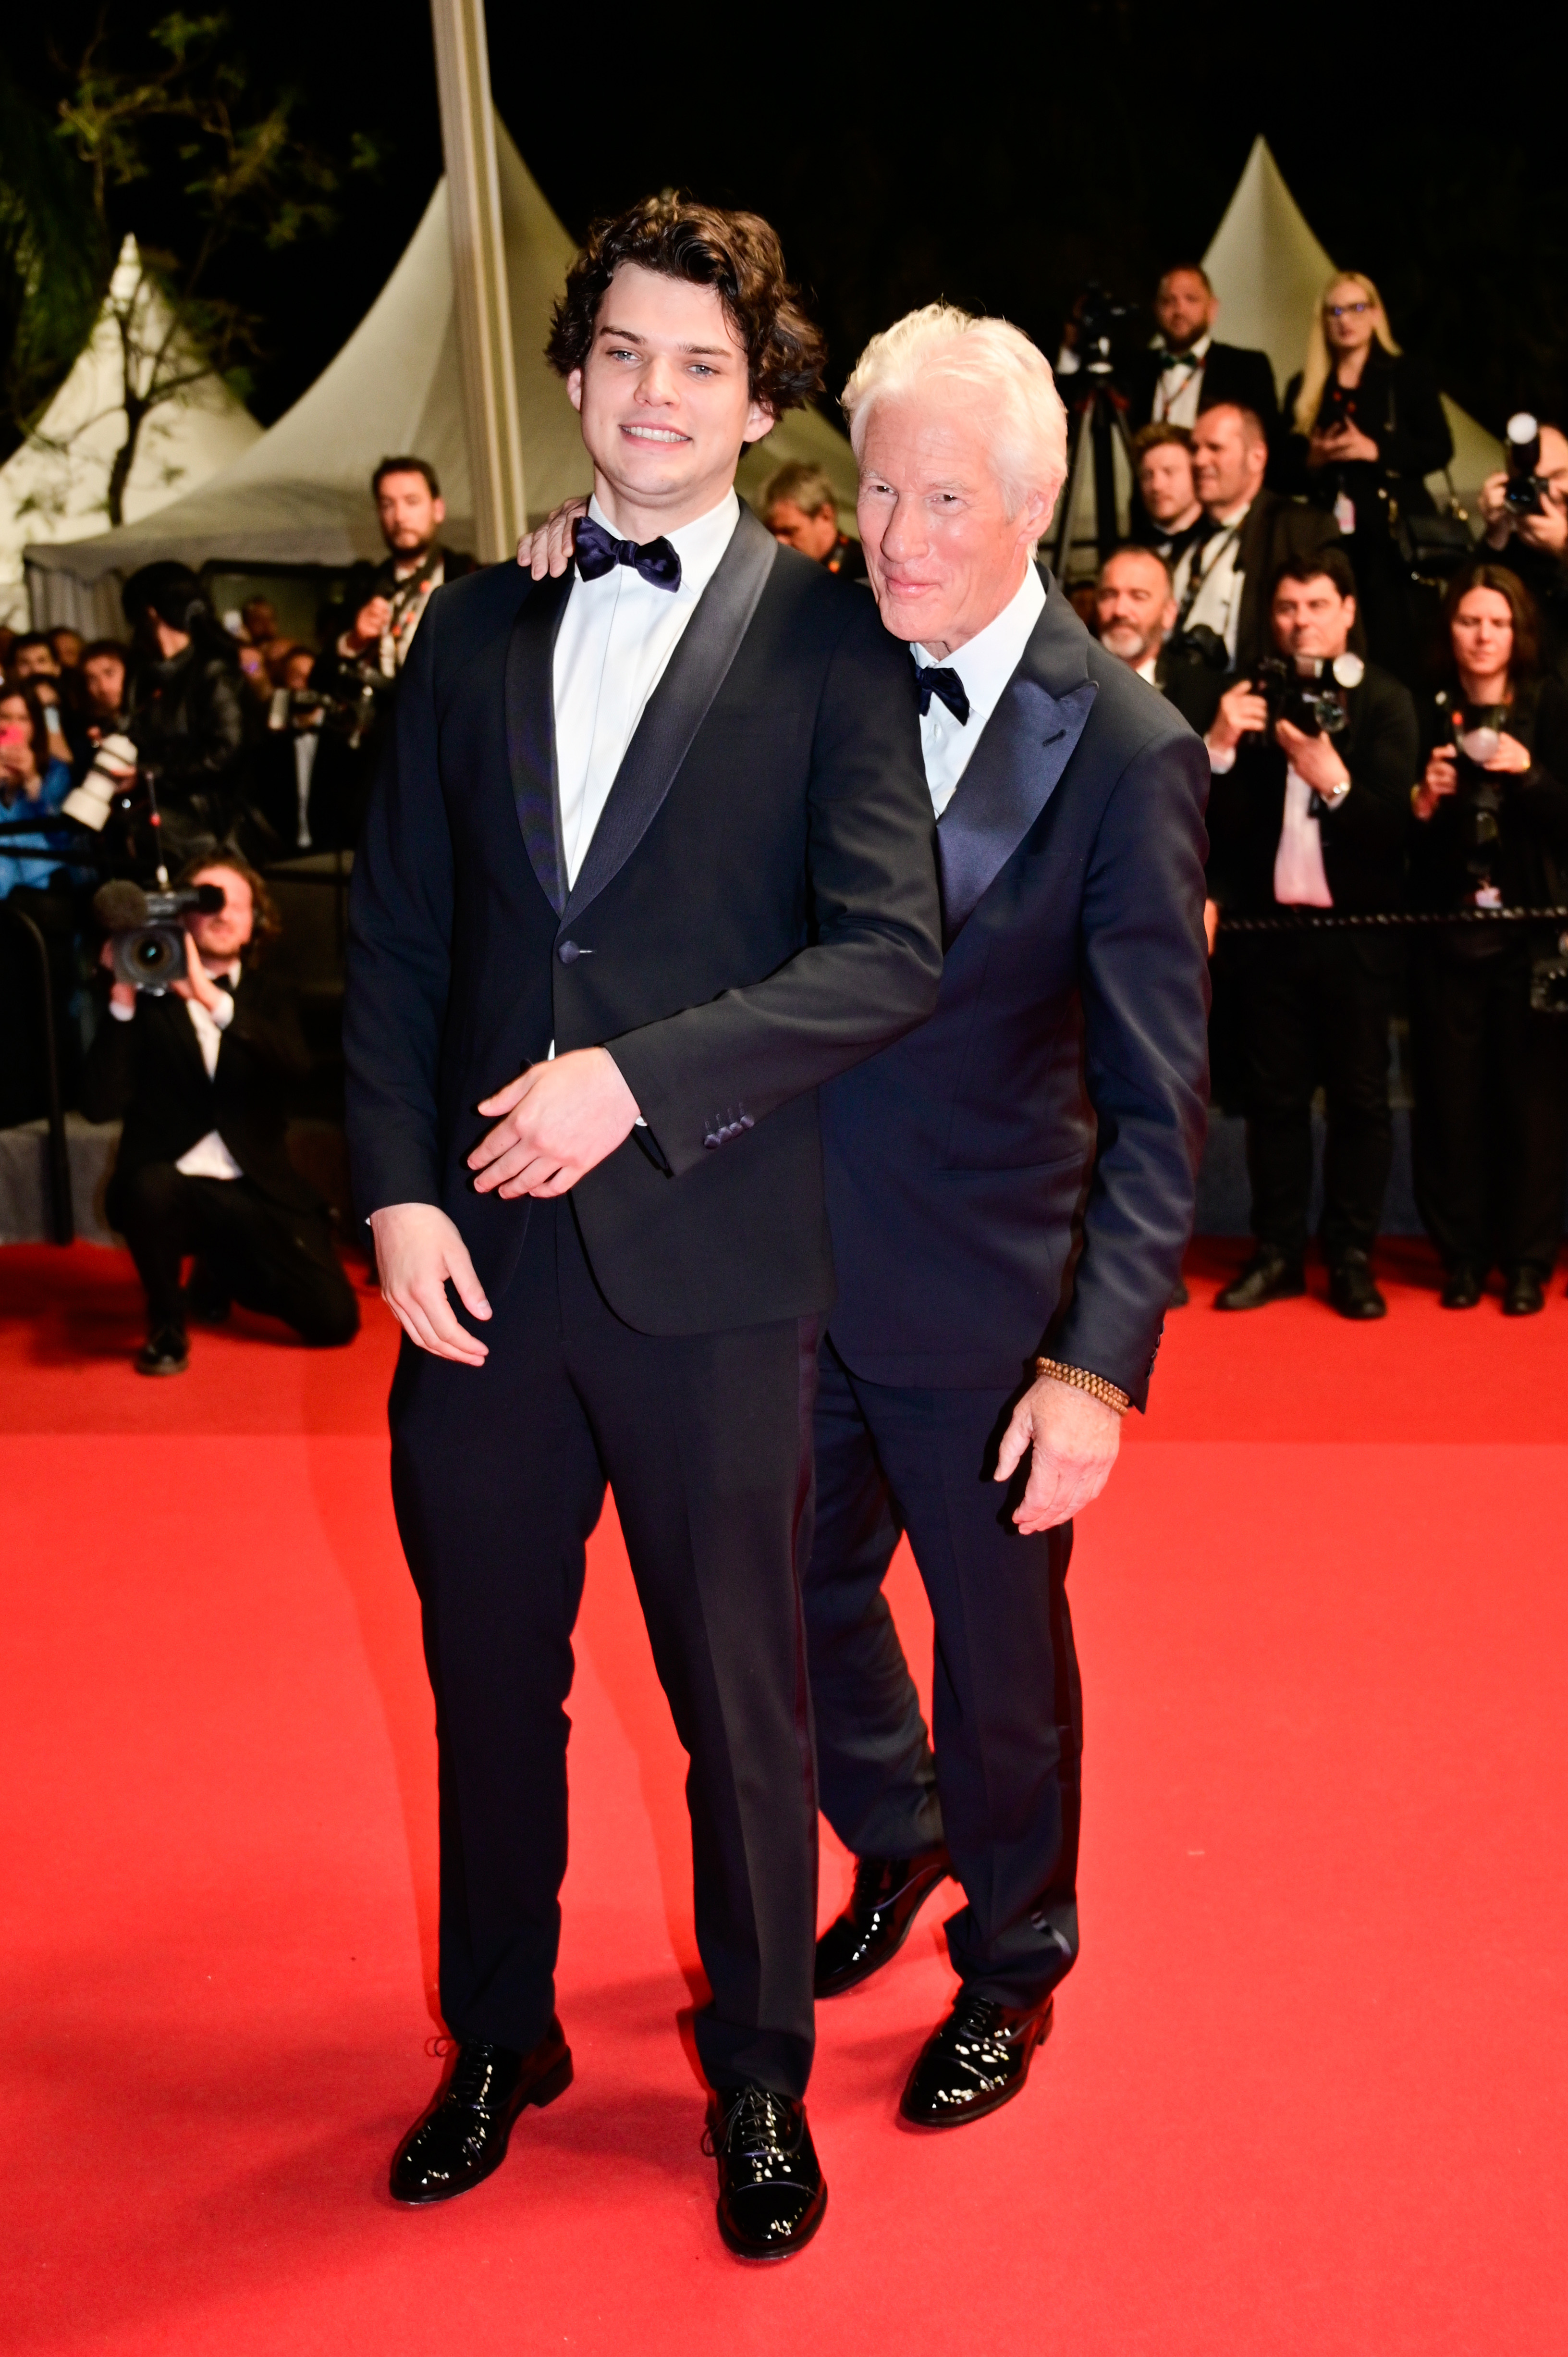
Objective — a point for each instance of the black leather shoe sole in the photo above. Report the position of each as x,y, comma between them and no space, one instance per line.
543,2091
828,1982
983,2105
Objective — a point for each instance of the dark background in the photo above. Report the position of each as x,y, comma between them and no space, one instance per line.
992,156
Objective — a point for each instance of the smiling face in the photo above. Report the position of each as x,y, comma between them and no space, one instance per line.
1228,463
665,402
943,553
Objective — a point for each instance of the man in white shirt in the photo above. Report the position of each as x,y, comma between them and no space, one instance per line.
1221,582
200,1078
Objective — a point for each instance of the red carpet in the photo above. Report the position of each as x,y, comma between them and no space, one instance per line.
1306,2091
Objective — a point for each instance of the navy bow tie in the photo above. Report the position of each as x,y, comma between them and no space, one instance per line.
598,549
947,686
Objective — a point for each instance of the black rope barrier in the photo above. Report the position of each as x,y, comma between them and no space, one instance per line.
1323,921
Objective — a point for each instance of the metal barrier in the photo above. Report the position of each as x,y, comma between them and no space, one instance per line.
1315,921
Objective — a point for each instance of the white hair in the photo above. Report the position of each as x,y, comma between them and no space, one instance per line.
1022,410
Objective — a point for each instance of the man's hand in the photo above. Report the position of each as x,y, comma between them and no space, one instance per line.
120,994
1312,758
1442,778
550,549
197,983
1548,531
369,623
1075,1438
562,1117
417,1249
1240,714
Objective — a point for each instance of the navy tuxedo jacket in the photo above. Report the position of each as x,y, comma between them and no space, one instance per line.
756,911
1018,1174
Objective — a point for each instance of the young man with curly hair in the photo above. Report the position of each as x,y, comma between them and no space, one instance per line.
650,860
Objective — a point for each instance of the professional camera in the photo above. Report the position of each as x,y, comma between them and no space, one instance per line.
1107,329
1309,693
112,774
1198,644
146,937
1525,491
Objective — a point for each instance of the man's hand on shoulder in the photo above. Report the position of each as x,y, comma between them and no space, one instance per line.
417,1250
561,1119
1075,1438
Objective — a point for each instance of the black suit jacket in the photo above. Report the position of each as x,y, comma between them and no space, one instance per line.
150,1072
1231,373
1363,840
1275,528
757,909
1023,1166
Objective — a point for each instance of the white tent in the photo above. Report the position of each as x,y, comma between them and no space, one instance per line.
55,486
301,493
1269,270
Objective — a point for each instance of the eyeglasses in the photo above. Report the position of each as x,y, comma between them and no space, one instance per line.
1353,310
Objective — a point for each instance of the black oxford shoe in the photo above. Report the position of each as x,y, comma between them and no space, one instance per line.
166,1352
1353,1289
890,1892
1268,1276
462,2139
772,2193
1462,1287
976,2062
1523,1294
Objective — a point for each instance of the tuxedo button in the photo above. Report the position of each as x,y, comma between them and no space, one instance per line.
568,952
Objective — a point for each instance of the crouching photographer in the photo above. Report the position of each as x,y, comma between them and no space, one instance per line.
196,1056
1311,756
1490,1002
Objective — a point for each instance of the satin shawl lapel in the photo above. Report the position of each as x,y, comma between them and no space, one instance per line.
678,707
1028,743
531,731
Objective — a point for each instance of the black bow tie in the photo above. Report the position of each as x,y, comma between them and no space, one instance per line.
598,550
944,684
1181,361
225,982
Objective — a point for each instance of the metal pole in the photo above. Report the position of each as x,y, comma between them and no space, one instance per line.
62,1217
479,271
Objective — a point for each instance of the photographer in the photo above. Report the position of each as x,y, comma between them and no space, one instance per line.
183,698
1365,428
199,1077
1312,754
1169,514
1222,582
1135,614
294,790
1524,516
800,509
1186,372
1491,831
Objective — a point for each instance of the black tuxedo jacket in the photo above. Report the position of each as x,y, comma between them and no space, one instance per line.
1231,373
1020,1168
1275,528
1363,840
757,910
150,1072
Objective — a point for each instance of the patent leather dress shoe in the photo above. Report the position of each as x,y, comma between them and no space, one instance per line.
976,2062
890,1892
1353,1290
462,2139
1462,1287
771,2192
1523,1294
166,1352
1268,1276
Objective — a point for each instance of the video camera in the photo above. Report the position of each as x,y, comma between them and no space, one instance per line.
1107,329
1307,693
1525,491
147,936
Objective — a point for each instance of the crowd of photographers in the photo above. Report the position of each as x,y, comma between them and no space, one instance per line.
1379,684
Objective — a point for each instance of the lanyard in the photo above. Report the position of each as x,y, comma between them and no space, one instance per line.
1198,572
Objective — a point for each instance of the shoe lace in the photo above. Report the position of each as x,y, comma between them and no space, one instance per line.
757,2125
974,2016
472,2076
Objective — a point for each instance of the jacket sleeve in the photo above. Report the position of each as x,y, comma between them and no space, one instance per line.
1420,443
109,1070
1144,977
873,965
400,954
1384,763
266,1020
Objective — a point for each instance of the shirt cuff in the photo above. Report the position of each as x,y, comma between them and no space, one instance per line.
123,1014
1220,763
224,1013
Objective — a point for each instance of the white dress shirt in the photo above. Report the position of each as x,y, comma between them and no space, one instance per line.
1149,668
1220,579
985,665
208,1158
1180,388
1301,880
616,638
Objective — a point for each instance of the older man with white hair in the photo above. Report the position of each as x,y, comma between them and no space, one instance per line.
1010,1189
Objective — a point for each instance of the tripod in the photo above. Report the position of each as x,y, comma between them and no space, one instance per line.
1097,428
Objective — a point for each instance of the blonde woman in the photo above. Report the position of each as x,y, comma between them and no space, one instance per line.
1365,428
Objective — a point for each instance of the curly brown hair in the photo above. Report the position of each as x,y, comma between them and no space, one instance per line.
736,253
265,923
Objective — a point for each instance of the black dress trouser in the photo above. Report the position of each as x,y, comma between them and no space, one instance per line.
1314,1008
267,1256
1003,1787
498,1477
1490,1133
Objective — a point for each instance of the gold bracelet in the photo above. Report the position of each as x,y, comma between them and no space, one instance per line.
1081,1380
